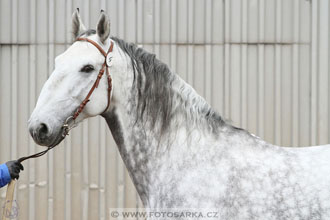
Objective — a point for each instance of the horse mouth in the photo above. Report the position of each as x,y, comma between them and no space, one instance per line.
64,131
58,139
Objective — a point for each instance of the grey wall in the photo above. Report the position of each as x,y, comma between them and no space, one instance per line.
264,64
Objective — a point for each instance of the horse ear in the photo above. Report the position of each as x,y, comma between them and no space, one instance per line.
77,25
103,27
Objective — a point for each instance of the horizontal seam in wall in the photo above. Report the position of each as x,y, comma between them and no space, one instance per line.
164,44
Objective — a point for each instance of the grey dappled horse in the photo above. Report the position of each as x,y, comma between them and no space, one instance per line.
179,152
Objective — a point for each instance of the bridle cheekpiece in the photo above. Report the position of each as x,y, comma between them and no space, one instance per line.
70,121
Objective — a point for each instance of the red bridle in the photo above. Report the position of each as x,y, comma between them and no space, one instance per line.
99,76
105,67
67,125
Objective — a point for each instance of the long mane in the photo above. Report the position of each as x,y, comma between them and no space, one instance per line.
157,101
153,81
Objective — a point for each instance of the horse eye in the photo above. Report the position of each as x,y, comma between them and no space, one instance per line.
87,68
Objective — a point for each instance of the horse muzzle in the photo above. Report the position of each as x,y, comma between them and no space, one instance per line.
45,133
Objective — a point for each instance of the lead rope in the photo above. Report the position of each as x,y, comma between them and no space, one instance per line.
38,154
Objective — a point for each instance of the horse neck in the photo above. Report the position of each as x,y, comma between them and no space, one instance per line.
149,136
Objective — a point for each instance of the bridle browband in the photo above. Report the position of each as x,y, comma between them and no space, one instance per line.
70,121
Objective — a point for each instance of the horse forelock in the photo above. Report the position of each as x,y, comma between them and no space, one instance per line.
87,33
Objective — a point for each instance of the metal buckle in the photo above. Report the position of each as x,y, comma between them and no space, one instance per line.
68,125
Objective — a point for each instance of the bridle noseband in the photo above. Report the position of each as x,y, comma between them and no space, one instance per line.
68,123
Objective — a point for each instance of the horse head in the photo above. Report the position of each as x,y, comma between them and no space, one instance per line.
76,72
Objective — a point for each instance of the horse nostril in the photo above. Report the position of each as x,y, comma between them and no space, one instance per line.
42,131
